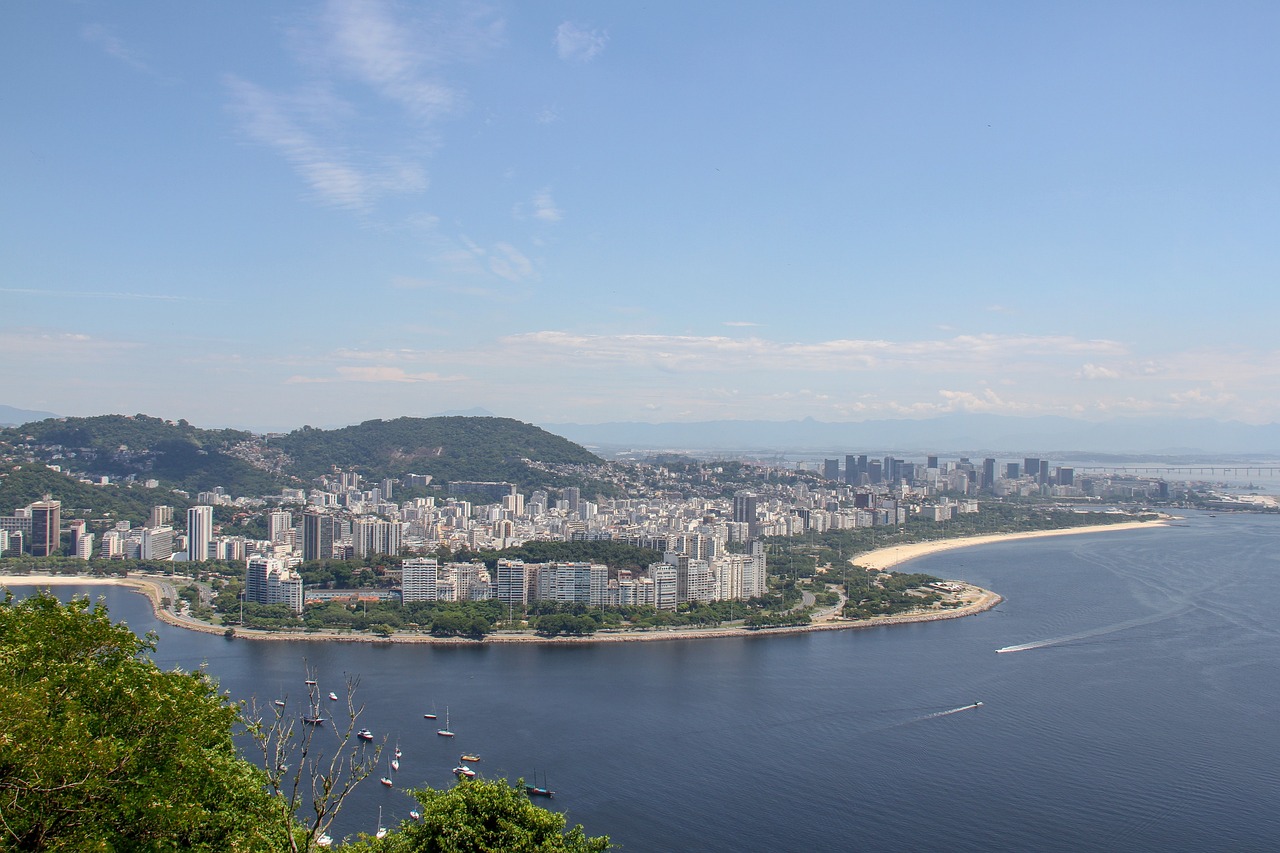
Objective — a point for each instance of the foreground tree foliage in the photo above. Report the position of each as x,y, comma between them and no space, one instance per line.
482,815
100,749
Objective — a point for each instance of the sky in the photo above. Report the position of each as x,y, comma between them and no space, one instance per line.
266,215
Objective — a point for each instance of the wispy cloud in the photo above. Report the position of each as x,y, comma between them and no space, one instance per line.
334,176
66,347
352,154
718,353
544,207
373,374
578,44
388,56
740,323
113,46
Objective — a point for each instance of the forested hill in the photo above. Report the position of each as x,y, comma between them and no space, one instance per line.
448,448
187,457
175,453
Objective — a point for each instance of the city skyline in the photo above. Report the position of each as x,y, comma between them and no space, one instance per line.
576,213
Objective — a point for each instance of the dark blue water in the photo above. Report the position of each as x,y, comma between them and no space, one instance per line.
1143,715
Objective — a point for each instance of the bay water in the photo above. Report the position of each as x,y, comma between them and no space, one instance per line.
1135,708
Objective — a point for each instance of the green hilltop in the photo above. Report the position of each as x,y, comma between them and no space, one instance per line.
183,456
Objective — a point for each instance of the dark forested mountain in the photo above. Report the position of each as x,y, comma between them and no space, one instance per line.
187,457
448,448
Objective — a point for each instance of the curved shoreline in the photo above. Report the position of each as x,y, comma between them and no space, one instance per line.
974,600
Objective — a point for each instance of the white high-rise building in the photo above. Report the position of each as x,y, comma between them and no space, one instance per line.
278,523
267,581
419,578
513,582
199,532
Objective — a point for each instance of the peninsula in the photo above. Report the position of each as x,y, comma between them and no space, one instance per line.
964,600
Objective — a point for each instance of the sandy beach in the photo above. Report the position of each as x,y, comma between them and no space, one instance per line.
969,600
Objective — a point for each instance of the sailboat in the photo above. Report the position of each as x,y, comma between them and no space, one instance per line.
445,731
430,716
382,830
535,790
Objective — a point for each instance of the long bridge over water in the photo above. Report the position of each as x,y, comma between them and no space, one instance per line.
1215,471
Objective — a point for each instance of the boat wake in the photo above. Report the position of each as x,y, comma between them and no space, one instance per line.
1095,632
951,711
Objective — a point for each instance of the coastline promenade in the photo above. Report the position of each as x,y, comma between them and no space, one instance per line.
970,600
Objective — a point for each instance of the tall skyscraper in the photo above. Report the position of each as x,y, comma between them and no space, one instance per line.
746,511
831,469
199,532
317,535
988,472
46,528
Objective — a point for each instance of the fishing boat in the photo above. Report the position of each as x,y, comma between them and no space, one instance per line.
464,770
364,734
445,732
468,757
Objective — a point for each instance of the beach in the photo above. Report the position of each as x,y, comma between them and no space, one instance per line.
968,601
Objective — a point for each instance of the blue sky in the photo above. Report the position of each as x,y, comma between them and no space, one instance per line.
276,214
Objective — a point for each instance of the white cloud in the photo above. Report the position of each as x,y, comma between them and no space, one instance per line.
740,323
101,36
373,374
25,344
349,153
544,207
507,262
334,176
718,353
575,43
1095,371
387,56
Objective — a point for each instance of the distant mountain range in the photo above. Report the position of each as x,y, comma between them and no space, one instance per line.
9,416
957,433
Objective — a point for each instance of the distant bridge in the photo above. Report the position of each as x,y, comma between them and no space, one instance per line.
1234,472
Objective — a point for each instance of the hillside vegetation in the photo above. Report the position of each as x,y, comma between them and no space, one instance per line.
449,448
187,457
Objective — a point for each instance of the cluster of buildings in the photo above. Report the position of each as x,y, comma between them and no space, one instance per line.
1029,477
677,579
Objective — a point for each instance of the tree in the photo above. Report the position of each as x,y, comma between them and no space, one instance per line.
101,749
481,814
319,766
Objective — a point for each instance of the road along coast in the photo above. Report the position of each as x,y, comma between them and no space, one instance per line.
968,601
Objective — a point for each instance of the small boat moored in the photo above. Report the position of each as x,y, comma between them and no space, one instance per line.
364,734
467,756
464,770
384,780
333,696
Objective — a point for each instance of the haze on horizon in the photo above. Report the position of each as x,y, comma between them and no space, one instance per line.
272,215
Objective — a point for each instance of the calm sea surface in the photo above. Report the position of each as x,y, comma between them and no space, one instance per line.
1140,714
